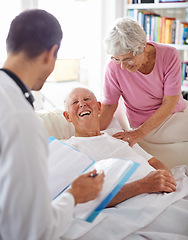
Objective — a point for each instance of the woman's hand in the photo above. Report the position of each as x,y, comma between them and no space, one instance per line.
163,112
131,137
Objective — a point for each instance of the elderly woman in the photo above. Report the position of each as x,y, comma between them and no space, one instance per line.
148,77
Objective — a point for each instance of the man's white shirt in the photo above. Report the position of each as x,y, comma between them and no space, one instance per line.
105,146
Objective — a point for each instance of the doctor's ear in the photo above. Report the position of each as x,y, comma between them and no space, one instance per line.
66,115
50,54
55,52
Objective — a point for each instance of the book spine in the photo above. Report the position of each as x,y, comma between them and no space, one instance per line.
167,35
181,34
177,31
147,23
173,30
162,32
153,28
158,28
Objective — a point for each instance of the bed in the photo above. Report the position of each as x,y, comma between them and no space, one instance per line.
147,216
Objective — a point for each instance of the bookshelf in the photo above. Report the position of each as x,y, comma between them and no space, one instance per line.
177,10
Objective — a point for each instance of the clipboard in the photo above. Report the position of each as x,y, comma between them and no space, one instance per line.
66,163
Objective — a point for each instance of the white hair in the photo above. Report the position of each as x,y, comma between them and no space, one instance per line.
66,100
125,37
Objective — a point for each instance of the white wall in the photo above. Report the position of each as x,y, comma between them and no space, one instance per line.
111,10
103,13
26,4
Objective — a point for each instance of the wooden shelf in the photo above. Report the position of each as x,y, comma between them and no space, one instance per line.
180,47
157,5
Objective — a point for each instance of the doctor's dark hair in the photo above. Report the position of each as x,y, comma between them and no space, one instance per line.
33,32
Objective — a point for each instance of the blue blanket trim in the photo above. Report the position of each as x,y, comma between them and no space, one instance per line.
124,179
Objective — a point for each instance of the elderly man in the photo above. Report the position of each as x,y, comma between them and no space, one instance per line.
139,214
83,111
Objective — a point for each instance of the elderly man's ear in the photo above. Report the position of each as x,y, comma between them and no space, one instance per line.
66,115
99,106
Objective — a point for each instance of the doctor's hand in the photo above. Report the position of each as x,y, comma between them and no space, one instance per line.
86,188
158,181
131,137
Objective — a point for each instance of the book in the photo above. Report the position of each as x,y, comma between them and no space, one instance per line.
184,69
168,30
185,35
147,25
173,32
162,30
158,25
177,31
66,163
147,1
149,22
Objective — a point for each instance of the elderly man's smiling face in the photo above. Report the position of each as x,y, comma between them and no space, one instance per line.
82,107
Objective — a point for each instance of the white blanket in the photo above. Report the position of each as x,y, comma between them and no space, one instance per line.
147,216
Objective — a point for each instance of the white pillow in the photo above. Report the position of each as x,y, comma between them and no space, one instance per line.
55,123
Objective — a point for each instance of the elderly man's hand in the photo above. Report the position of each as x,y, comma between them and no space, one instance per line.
86,188
158,181
131,137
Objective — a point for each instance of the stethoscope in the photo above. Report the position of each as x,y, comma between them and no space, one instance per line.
27,94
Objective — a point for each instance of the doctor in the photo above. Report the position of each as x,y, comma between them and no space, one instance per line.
26,211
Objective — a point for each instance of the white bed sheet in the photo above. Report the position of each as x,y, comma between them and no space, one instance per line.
167,225
147,216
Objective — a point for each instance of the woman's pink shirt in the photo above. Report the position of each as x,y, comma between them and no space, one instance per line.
143,94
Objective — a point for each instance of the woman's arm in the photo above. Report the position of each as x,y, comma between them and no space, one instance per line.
155,163
107,112
163,112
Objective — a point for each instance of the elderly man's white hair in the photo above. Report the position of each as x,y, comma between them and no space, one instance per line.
67,96
126,36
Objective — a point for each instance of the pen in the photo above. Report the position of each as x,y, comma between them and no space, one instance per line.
93,175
